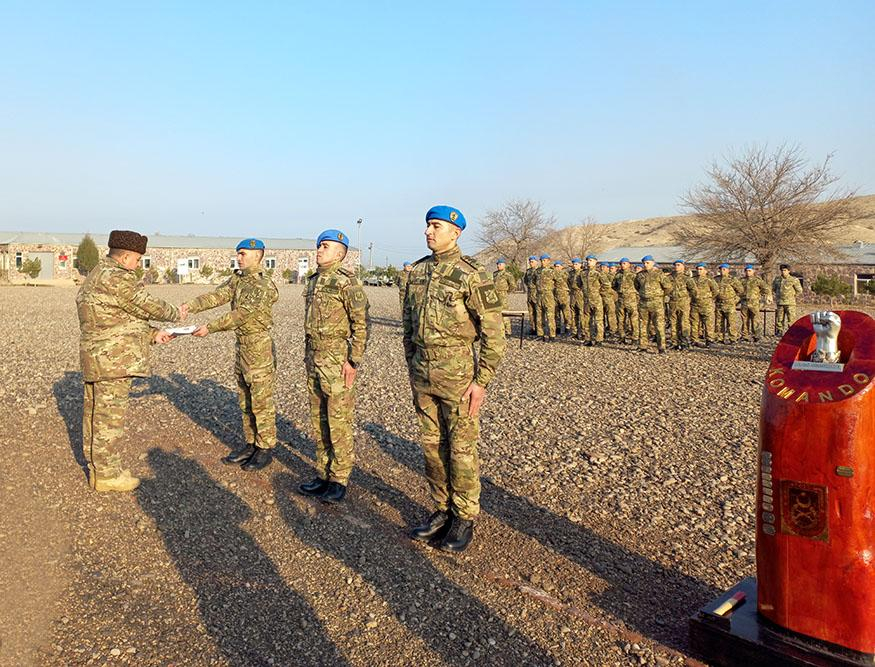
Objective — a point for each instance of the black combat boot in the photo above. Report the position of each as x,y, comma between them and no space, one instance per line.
261,459
241,455
435,526
335,492
314,487
459,535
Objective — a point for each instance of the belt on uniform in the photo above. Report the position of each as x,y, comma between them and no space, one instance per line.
443,352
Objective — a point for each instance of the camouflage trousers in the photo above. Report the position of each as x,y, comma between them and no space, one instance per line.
532,305
563,312
332,413
610,314
255,371
750,321
103,425
594,321
726,324
439,377
703,320
627,323
680,322
651,313
785,315
577,314
505,320
546,316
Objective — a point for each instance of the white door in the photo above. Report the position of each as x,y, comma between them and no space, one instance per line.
47,261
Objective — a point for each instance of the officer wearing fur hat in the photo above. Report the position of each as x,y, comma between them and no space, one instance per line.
336,332
450,303
530,281
115,336
252,295
504,283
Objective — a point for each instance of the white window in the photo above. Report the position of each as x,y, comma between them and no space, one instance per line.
146,262
194,263
270,262
864,283
19,258
235,264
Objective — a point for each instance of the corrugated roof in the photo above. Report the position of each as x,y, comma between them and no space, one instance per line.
155,240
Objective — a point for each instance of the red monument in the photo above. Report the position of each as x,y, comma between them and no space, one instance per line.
813,601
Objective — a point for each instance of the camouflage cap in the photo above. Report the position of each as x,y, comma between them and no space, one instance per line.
122,239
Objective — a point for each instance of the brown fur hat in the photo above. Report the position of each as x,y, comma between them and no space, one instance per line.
125,240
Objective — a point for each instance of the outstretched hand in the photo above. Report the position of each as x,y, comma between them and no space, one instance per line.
201,331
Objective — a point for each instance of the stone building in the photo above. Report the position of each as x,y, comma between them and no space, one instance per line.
168,258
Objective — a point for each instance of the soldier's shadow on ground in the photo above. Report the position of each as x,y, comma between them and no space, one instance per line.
69,397
647,596
385,322
253,617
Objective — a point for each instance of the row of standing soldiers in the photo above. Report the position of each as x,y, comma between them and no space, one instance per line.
634,303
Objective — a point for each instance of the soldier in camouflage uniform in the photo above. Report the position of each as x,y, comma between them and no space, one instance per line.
335,335
251,294
703,305
115,336
451,303
728,291
575,299
627,297
609,299
402,283
563,304
753,291
546,281
653,286
683,294
530,281
504,283
592,295
786,288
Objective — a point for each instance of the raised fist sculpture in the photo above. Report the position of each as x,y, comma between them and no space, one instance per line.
826,325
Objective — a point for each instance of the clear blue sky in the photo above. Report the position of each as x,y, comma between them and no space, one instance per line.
278,119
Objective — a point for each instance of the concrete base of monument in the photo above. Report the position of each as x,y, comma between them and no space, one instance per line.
743,637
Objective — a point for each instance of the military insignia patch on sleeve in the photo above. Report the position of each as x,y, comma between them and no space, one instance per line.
489,296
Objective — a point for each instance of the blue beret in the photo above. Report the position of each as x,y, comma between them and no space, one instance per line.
501,260
447,214
702,265
545,256
679,261
558,262
406,263
748,266
591,257
624,259
533,258
723,266
575,260
333,235
647,258
639,265
251,244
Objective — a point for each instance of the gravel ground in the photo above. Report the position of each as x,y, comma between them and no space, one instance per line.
618,494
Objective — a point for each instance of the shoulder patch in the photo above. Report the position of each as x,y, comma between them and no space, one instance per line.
489,296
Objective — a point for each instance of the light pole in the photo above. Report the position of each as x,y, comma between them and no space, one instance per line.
370,256
358,241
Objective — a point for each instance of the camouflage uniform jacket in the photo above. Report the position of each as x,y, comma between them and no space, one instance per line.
728,290
402,280
530,282
706,289
336,312
575,285
451,302
114,311
504,282
653,285
560,286
251,294
753,290
624,284
786,290
592,285
683,289
545,280
606,286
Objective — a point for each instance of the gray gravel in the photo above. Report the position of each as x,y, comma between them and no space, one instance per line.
617,497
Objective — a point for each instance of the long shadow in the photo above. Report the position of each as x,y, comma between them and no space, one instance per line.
386,322
252,615
69,397
425,601
649,597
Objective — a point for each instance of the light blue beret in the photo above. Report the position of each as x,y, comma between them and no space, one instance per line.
533,258
501,260
447,214
647,258
723,266
558,262
591,257
748,266
575,260
406,263
702,265
545,256
679,261
333,235
624,259
251,244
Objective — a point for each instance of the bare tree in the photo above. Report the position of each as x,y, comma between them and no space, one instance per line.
515,229
771,205
578,240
